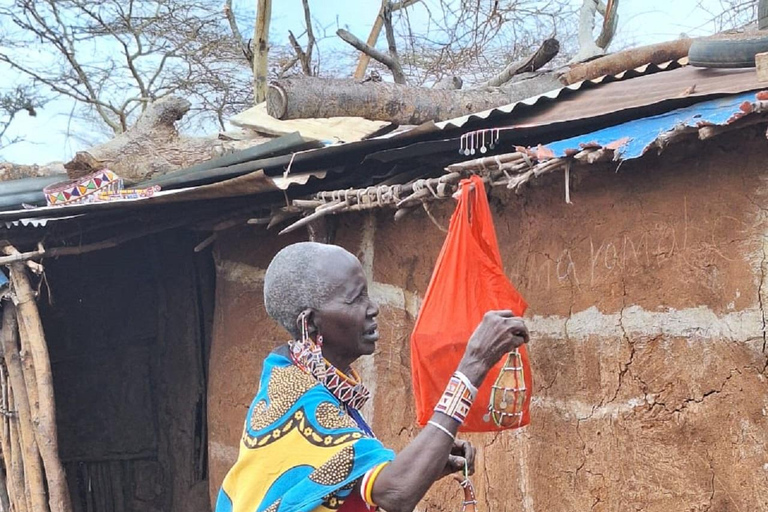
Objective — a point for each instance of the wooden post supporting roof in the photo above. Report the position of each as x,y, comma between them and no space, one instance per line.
33,339
260,55
33,470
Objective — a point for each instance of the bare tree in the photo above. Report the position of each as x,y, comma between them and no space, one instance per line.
12,103
476,39
113,57
731,14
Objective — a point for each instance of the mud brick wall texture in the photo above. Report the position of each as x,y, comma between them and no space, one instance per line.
647,311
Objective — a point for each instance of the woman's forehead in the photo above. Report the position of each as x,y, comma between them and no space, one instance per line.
344,274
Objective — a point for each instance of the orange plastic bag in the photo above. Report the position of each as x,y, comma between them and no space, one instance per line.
468,281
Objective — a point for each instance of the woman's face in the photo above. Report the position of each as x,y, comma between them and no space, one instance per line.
347,321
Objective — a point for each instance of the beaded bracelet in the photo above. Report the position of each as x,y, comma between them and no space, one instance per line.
366,485
457,398
440,427
467,382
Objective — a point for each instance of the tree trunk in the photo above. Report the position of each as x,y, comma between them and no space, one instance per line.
261,57
33,471
630,59
307,97
47,439
150,148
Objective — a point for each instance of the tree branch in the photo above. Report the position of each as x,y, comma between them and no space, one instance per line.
373,37
545,53
244,47
300,55
373,53
287,66
310,39
397,69
610,22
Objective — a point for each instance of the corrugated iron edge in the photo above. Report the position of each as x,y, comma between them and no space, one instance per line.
645,69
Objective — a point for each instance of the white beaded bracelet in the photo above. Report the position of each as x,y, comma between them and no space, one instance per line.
463,378
437,425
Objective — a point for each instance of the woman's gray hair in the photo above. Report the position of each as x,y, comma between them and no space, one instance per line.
294,281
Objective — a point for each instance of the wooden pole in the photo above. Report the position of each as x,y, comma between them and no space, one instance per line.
24,500
373,37
5,503
31,328
261,57
14,472
33,470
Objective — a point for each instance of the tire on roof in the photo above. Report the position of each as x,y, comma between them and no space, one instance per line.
728,50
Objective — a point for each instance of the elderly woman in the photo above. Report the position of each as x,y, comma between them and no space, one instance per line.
305,445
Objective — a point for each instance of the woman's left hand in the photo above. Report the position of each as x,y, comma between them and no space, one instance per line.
461,452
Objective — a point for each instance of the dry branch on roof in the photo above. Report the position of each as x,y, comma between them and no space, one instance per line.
626,60
303,97
152,147
543,54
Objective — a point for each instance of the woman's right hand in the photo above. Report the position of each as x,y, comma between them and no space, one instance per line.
498,333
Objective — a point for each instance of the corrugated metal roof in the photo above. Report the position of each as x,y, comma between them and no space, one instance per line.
34,223
643,70
677,86
667,86
254,183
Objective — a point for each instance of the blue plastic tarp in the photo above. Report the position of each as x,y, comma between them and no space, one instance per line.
632,139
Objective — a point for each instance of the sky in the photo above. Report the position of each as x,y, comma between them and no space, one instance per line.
640,22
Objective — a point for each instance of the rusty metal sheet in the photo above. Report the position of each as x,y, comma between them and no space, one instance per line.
676,86
596,98
553,95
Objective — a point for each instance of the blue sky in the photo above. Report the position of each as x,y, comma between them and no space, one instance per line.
640,22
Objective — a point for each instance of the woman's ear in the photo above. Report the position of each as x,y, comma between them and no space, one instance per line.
308,316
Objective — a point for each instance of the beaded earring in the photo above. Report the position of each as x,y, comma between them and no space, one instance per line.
313,347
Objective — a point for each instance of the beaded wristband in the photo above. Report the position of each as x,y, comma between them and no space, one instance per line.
366,485
456,400
467,382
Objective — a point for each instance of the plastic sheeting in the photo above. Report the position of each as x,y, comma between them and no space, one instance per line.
632,139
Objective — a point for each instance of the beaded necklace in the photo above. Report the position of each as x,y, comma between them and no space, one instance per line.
349,389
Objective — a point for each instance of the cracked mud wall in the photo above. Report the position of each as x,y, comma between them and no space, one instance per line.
646,306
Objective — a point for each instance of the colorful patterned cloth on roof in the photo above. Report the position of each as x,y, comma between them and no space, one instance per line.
301,450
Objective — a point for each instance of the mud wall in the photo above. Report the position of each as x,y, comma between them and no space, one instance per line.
646,306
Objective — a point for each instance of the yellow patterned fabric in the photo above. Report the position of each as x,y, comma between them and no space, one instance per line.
300,451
